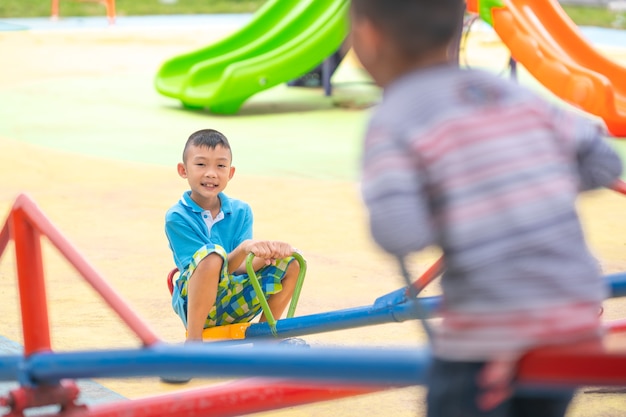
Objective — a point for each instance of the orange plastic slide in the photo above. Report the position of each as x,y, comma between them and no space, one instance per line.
550,46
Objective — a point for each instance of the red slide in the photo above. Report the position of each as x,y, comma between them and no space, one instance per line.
550,46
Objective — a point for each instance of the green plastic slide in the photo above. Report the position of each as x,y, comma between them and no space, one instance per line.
284,40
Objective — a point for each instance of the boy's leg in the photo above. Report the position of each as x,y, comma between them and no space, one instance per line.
541,405
453,391
201,294
278,302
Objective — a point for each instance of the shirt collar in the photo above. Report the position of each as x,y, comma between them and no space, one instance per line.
187,201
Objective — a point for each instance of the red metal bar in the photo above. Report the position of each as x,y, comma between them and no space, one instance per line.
616,326
619,186
230,399
5,236
63,394
170,280
427,277
31,283
34,216
581,364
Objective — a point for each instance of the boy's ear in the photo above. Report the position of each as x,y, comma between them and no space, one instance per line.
231,173
371,33
366,40
182,171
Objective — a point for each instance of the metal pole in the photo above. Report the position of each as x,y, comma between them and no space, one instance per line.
31,283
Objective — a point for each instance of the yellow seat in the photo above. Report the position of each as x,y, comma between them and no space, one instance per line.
226,331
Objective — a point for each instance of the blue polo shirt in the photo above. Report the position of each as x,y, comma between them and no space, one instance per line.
188,232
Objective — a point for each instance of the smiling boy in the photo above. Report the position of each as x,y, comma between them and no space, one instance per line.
210,235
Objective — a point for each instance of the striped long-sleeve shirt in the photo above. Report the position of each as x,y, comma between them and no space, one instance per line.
489,172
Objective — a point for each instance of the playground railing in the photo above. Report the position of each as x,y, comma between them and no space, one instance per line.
108,4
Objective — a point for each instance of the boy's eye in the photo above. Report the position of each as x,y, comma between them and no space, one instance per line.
200,165
221,166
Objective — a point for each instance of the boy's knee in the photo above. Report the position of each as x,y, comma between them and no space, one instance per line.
210,266
293,268
213,260
291,276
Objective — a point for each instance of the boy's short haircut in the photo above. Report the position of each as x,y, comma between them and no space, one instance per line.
417,26
208,138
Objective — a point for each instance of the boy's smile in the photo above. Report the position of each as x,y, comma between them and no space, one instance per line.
207,171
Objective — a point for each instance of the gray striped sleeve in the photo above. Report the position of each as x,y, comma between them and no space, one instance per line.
598,164
400,220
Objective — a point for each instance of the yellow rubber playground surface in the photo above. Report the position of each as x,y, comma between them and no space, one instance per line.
83,132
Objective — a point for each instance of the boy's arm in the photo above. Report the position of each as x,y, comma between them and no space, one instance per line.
237,258
395,196
597,164
266,252
184,240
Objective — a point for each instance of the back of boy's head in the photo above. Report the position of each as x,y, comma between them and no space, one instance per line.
416,26
207,138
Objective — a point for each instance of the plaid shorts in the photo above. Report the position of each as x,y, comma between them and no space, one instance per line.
236,300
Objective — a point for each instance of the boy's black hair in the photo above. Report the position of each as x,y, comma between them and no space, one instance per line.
208,138
417,26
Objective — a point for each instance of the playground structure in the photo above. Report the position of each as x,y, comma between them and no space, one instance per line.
291,376
108,4
280,44
42,372
550,46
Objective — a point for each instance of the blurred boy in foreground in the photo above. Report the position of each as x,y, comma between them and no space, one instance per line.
490,173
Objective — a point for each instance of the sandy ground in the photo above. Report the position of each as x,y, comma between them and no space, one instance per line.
113,210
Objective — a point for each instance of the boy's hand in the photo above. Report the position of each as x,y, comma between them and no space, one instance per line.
495,381
269,250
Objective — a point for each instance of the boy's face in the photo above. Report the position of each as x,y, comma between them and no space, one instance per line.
207,171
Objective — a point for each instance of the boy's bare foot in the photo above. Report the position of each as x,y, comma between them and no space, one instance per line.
295,341
178,379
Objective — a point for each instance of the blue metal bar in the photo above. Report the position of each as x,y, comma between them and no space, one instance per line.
380,367
10,367
617,284
379,313
213,359
392,307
